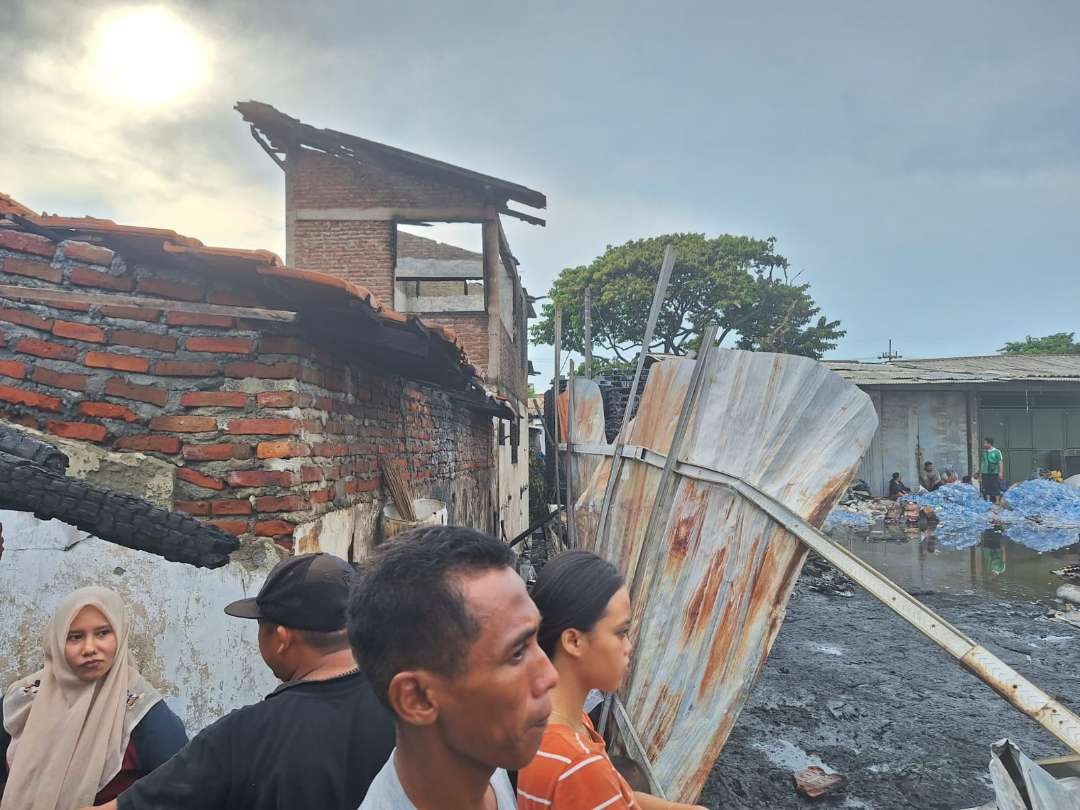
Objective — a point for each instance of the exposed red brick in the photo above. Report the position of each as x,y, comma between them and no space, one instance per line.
232,298
107,410
281,399
199,479
312,475
26,242
32,268
216,452
143,340
264,371
12,368
84,431
70,306
85,277
85,252
273,528
220,345
281,503
353,487
131,313
266,427
168,445
214,399
59,379
195,508
232,506
186,368
170,289
184,424
236,527
197,319
119,387
117,362
43,348
276,344
282,450
78,331
324,495
262,478
25,318
20,396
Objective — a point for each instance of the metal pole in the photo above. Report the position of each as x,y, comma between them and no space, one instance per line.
555,403
588,333
571,533
616,461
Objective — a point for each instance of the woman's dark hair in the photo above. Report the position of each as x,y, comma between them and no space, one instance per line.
573,590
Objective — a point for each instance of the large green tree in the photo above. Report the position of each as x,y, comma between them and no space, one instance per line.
1058,343
740,283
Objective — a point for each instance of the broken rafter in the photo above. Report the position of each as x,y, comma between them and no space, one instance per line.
266,147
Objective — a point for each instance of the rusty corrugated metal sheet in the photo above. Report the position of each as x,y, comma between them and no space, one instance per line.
588,429
724,572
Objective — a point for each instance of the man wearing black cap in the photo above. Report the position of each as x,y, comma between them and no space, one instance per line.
316,742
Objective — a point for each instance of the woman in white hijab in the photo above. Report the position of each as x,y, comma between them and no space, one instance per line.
87,725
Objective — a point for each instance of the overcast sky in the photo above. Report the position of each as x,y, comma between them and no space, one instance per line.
919,163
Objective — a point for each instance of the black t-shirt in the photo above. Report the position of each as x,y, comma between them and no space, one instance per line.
309,744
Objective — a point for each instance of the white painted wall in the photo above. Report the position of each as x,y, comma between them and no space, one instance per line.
204,662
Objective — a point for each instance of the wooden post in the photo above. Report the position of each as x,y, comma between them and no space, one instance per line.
555,403
571,534
973,431
588,333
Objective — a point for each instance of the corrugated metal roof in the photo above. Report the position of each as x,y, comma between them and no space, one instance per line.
997,368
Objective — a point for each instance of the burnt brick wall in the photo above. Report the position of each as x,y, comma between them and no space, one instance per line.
266,430
472,332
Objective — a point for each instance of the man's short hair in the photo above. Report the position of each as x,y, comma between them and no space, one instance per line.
406,611
988,439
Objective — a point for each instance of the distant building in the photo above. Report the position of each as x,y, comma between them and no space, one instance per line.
940,409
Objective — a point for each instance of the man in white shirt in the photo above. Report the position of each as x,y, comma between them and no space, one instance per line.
445,631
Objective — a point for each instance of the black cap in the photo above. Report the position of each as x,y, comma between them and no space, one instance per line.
308,592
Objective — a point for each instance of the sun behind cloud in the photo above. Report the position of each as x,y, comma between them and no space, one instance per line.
146,55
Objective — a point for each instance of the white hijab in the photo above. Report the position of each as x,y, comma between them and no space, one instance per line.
72,744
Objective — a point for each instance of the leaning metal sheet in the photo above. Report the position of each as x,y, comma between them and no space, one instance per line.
588,428
714,582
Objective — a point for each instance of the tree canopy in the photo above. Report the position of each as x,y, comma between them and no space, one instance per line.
738,282
1057,343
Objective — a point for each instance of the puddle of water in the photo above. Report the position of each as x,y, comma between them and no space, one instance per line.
993,564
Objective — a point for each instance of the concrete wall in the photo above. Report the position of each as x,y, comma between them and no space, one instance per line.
935,421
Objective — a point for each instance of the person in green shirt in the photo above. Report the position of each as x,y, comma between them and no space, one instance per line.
993,471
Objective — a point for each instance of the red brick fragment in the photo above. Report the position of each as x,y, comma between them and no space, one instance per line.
131,313
117,362
170,289
232,506
263,371
281,503
78,331
280,399
214,399
119,387
59,379
186,368
25,318
168,445
83,431
143,340
199,479
273,528
262,478
43,348
283,449
26,242
85,277
220,345
194,508
236,527
216,452
13,368
85,252
20,396
184,424
107,410
198,319
265,427
31,268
